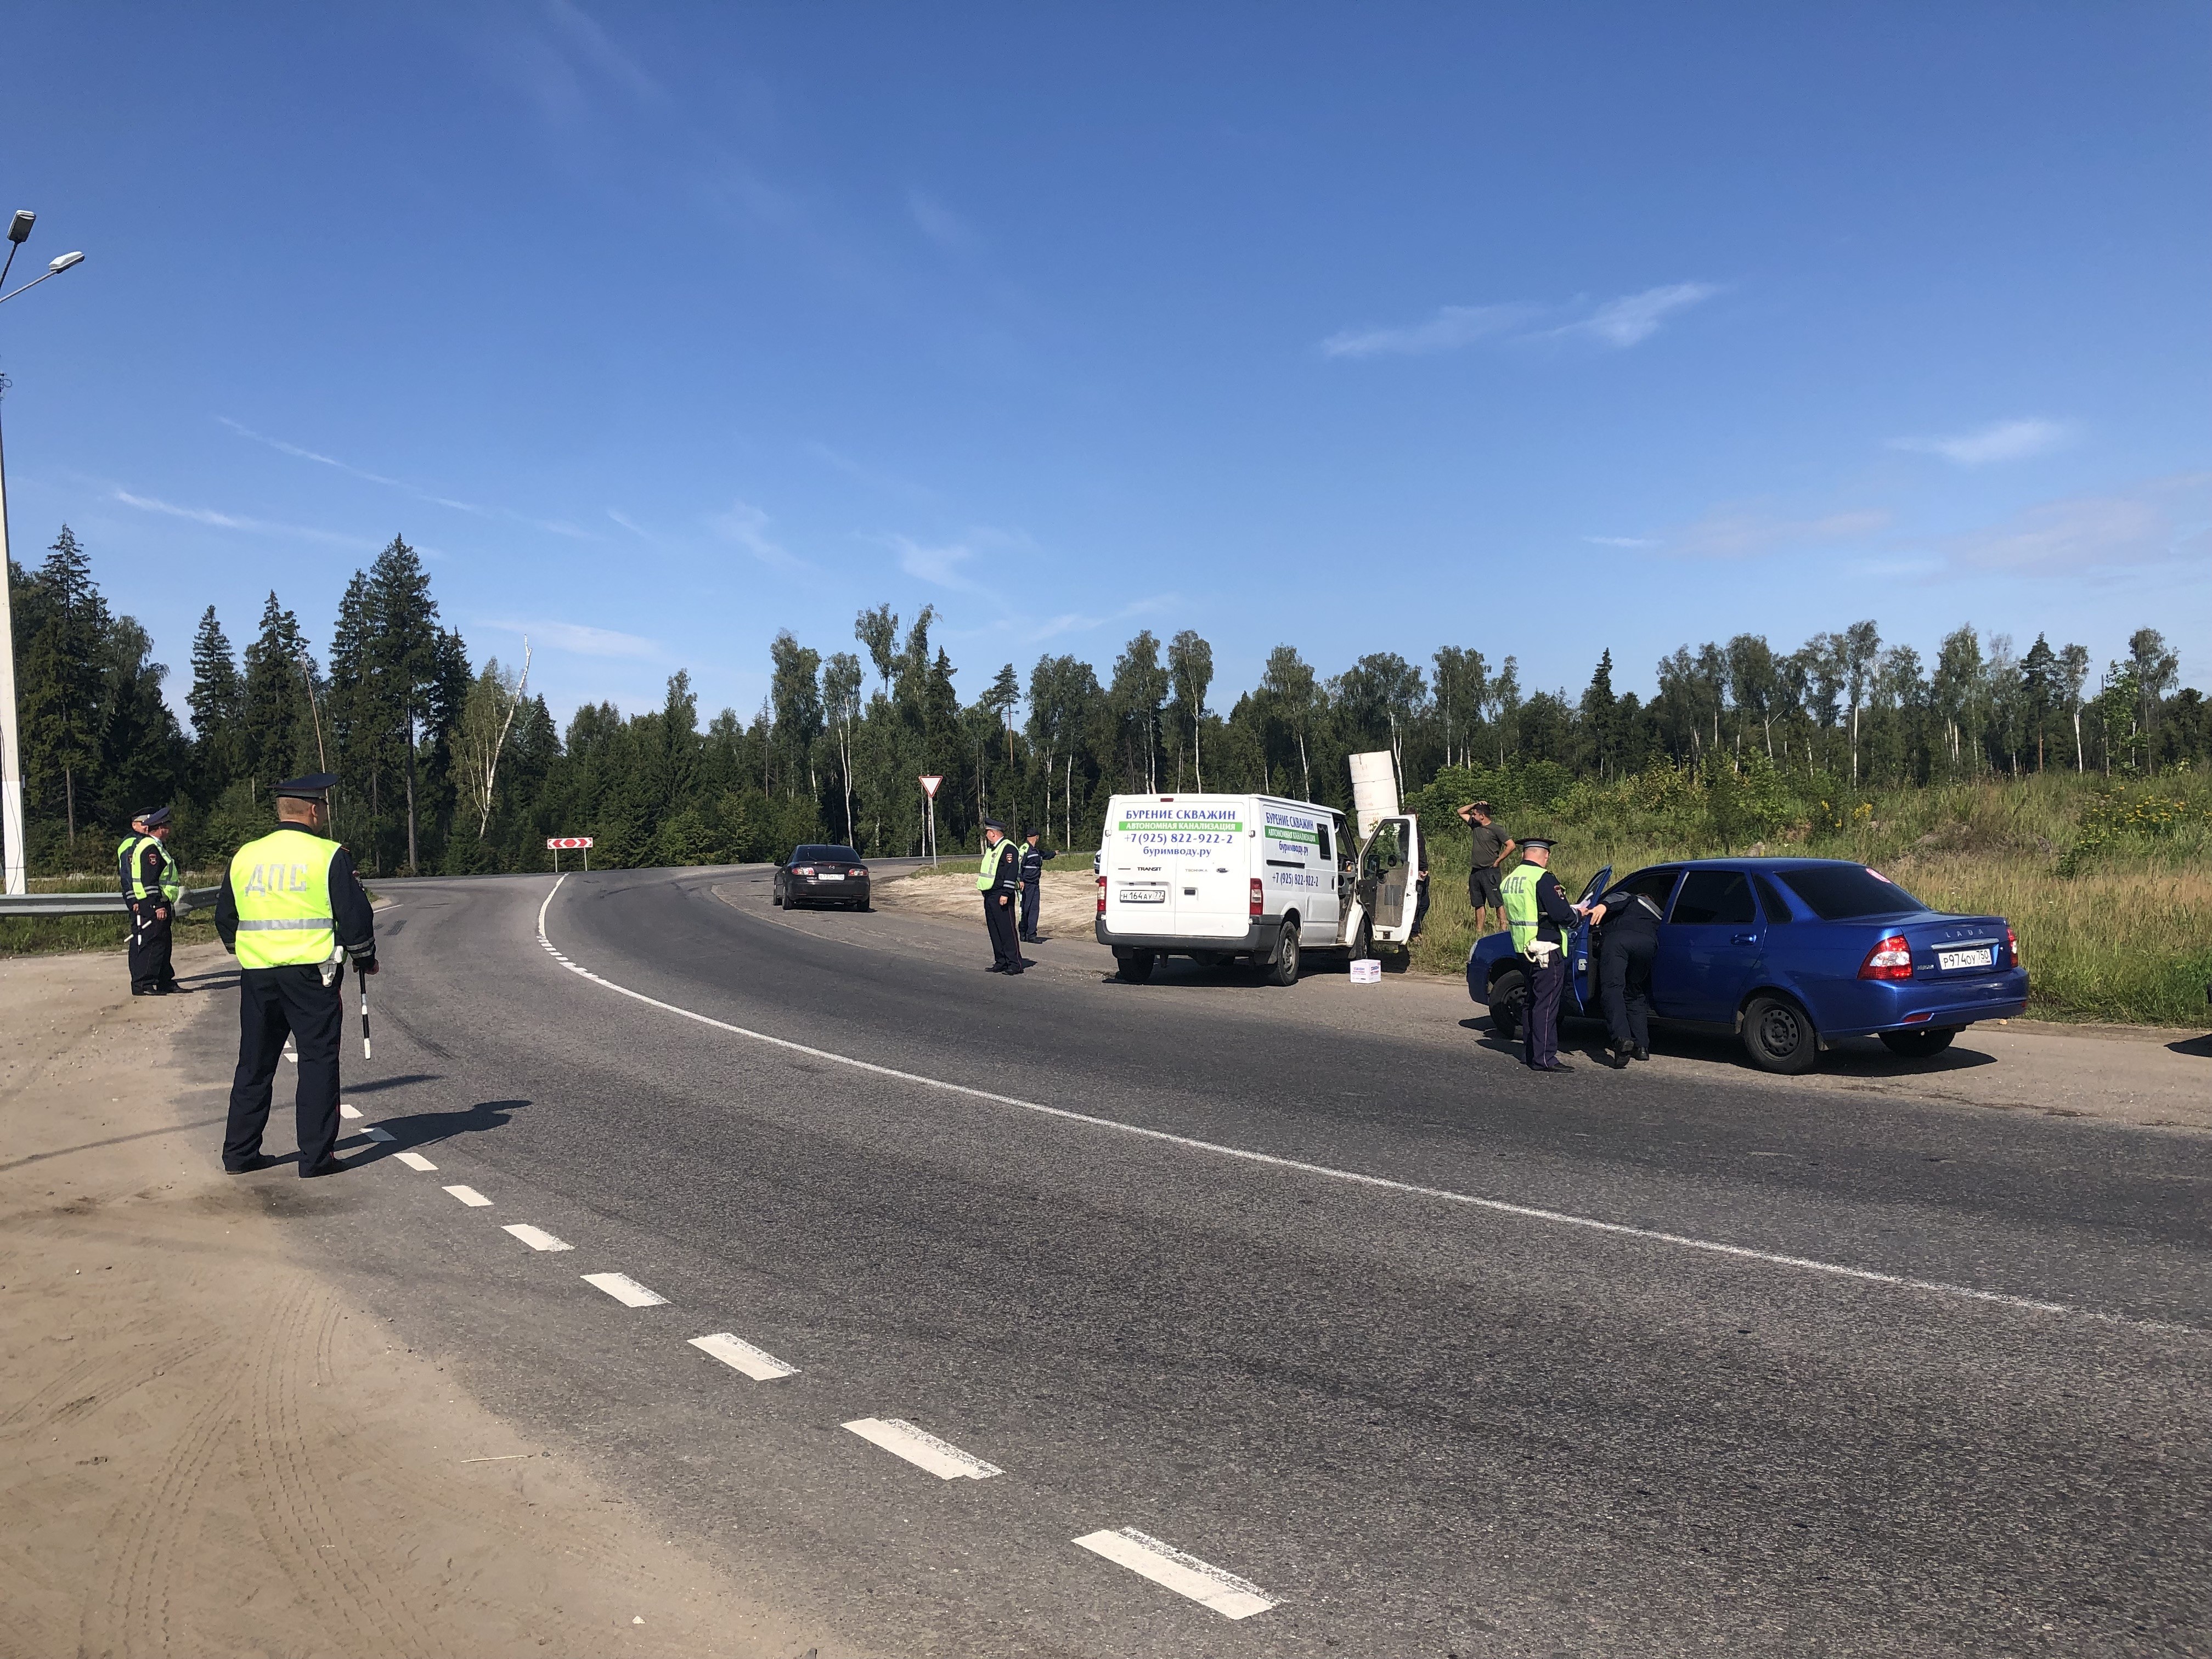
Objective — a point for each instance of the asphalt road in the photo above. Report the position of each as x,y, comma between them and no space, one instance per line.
1483,1363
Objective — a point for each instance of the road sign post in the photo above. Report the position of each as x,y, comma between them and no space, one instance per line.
929,788
556,842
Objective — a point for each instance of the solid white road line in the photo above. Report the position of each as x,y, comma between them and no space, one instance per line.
741,1356
345,1110
415,1160
1383,1183
1186,1575
374,1133
925,1451
537,1237
625,1290
472,1197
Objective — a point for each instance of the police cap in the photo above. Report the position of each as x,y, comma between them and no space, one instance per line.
1536,844
314,786
992,823
154,819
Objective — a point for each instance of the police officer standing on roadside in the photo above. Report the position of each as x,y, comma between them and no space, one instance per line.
152,885
1628,947
1034,854
1541,920
292,911
998,879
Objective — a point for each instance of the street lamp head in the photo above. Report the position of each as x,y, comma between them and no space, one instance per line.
18,228
62,263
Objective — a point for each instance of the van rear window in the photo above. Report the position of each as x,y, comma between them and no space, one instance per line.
1844,892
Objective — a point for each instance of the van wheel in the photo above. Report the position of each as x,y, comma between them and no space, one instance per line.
1779,1036
1136,967
1284,970
1916,1045
1508,1004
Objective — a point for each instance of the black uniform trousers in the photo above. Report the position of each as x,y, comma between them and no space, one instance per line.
1031,903
1623,988
1540,1029
1005,947
272,1002
149,945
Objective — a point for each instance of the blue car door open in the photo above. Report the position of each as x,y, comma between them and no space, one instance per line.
1709,947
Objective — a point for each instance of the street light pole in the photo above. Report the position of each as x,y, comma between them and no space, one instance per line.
11,751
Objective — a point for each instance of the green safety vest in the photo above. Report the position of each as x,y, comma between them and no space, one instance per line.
129,866
281,884
1519,891
987,877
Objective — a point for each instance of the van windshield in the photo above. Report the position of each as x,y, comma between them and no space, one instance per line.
1844,892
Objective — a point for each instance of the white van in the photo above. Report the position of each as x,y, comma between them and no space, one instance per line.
1251,878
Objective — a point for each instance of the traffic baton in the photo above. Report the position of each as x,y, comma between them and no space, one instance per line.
363,978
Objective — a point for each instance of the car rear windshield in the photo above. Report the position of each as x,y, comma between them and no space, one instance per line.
1842,892
825,855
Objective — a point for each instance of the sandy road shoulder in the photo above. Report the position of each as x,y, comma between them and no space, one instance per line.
204,1449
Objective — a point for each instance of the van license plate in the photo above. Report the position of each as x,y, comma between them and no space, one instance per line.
1949,959
1143,895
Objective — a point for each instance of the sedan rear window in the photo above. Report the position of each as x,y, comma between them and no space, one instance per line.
825,855
1844,892
1714,898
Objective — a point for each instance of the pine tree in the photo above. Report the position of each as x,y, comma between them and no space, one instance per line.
64,626
217,701
277,726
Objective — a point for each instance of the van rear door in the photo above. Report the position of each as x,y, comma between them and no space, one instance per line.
1186,862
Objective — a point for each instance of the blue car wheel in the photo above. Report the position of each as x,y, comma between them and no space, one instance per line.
1780,1037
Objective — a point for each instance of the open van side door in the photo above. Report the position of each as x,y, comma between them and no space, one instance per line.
1392,860
1582,949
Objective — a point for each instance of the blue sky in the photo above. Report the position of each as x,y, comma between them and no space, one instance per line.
1535,330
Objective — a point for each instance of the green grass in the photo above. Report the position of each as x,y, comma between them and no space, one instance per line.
2109,890
41,936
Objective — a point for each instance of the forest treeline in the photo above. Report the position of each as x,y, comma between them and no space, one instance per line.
450,765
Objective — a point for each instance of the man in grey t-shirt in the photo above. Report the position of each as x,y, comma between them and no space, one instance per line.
1493,847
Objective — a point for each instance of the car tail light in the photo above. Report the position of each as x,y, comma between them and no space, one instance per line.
1259,897
856,870
1891,959
2012,946
803,869
1101,895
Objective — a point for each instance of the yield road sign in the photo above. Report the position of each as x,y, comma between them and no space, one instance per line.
929,785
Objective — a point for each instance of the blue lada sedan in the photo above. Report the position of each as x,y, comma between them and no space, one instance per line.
1787,954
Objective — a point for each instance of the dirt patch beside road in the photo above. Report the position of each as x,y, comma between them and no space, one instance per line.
1070,896
204,1449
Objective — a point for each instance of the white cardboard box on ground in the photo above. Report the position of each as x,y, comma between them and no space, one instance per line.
1367,971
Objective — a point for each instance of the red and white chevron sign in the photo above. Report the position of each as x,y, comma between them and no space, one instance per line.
562,843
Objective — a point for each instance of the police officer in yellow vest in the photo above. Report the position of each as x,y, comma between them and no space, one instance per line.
292,911
152,885
998,879
1542,920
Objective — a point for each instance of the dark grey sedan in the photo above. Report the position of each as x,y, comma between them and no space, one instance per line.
822,875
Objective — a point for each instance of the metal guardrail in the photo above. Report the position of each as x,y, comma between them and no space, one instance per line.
94,904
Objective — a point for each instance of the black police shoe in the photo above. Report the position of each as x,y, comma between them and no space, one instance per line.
329,1166
258,1161
1640,1053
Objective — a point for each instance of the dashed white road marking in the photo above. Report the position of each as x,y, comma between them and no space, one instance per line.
925,1451
415,1160
1384,1183
375,1133
625,1290
471,1196
1186,1575
739,1355
537,1237
345,1110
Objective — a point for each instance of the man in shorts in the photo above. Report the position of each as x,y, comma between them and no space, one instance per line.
1493,847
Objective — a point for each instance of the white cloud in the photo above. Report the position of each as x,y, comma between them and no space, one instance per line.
2077,537
581,638
234,521
747,526
1620,541
940,565
1635,318
2005,440
1619,323
938,222
1731,532
1452,327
